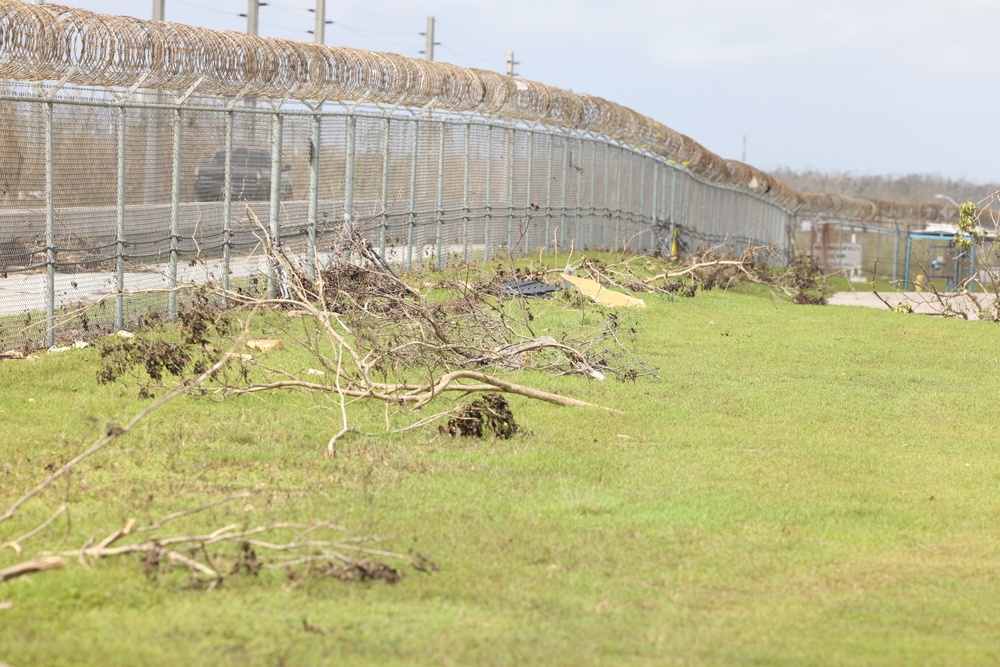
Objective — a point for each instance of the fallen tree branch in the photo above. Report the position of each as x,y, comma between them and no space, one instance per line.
741,264
27,567
419,395
191,552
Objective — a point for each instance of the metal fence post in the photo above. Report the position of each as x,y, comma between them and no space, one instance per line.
440,199
274,270
175,210
593,190
465,191
488,212
312,231
673,210
895,255
606,218
548,196
654,205
120,226
642,201
527,192
630,191
50,226
352,135
509,137
579,194
710,213
412,214
564,208
621,194
384,217
227,203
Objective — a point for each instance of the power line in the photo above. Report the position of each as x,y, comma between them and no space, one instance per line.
456,35
375,14
297,11
374,39
467,56
362,31
284,27
202,7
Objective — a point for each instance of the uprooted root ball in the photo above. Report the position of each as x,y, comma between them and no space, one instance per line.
489,414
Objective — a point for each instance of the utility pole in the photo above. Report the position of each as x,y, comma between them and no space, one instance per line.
429,49
319,34
252,15
154,132
510,64
253,21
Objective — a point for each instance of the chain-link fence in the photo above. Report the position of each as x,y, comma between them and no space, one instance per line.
139,156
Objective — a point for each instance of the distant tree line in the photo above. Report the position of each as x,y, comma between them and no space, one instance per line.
910,188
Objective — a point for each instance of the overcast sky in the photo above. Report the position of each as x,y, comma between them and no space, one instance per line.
888,87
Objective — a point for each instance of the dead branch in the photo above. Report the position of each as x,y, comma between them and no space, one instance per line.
191,552
694,268
28,567
15,544
419,395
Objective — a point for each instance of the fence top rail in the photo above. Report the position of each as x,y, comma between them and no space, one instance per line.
50,42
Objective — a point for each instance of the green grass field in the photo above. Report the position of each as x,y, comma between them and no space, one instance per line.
800,485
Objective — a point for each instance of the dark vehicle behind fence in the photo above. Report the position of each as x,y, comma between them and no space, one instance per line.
251,176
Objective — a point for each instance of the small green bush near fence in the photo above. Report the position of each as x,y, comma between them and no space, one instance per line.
799,485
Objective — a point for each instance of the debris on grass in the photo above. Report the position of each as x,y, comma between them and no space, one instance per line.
526,288
14,355
265,344
601,294
364,569
489,414
78,345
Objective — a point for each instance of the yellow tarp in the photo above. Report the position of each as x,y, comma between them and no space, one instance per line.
601,295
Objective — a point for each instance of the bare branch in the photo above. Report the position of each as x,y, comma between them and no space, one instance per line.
27,567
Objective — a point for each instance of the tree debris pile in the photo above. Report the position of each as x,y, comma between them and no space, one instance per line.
363,289
703,270
707,269
489,414
466,320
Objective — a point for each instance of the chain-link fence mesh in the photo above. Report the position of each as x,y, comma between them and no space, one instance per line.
146,155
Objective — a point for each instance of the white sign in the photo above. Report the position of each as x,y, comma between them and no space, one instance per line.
838,255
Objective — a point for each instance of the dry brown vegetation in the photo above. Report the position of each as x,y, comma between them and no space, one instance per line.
917,188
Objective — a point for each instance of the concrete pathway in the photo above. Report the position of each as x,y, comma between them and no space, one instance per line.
921,302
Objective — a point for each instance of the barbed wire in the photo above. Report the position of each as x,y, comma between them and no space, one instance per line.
51,42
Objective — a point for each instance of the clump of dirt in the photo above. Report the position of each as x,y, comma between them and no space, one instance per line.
489,414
